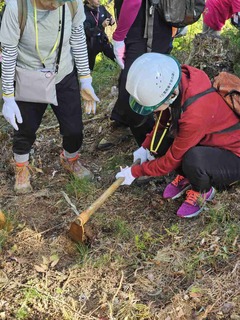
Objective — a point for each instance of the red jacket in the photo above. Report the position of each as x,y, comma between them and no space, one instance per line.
206,115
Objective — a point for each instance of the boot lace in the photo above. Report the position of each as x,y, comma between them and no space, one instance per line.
23,173
75,164
192,197
177,180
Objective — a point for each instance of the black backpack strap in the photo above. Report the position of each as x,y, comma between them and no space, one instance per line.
201,94
229,129
195,97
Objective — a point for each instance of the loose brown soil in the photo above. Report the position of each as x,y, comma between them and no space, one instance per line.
142,261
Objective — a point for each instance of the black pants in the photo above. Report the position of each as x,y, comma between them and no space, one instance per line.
104,46
122,112
205,166
209,166
68,113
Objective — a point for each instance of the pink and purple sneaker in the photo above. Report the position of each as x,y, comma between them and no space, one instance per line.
176,188
195,203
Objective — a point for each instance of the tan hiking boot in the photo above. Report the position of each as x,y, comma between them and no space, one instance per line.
74,166
22,178
116,135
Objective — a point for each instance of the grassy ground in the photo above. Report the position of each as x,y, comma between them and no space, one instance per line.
142,262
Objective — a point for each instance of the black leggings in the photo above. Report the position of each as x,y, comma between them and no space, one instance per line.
105,47
210,166
68,113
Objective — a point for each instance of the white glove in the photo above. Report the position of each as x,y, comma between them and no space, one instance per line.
125,173
119,51
181,32
11,112
140,153
88,95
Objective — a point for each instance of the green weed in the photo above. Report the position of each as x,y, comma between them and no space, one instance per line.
146,241
105,72
83,251
121,229
22,313
3,238
30,295
184,43
222,220
78,187
173,230
114,162
207,258
232,231
195,262
102,260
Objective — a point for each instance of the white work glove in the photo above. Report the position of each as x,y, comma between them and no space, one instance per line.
119,51
11,112
181,32
143,155
88,95
125,173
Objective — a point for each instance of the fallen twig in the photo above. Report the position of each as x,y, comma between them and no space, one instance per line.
70,203
55,126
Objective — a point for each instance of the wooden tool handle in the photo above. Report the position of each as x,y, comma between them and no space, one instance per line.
85,215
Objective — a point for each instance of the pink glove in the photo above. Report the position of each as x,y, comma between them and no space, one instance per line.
11,112
119,51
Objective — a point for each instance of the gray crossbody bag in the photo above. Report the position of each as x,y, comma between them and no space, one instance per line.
39,85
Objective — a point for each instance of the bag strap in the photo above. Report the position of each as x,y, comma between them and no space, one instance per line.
196,97
22,15
149,18
73,6
201,94
61,39
229,129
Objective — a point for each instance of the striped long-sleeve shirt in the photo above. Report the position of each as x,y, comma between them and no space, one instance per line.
22,52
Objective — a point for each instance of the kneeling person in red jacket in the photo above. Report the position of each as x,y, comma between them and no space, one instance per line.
202,143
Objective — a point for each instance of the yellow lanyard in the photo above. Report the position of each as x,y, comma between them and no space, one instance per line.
36,32
155,132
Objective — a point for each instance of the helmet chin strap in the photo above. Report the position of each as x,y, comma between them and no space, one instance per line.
171,100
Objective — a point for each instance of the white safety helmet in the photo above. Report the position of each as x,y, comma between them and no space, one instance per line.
151,80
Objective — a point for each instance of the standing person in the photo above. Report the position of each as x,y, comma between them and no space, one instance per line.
206,146
139,29
37,49
216,13
97,19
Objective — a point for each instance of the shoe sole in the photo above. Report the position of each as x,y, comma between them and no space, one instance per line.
181,193
202,208
110,145
143,180
106,146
